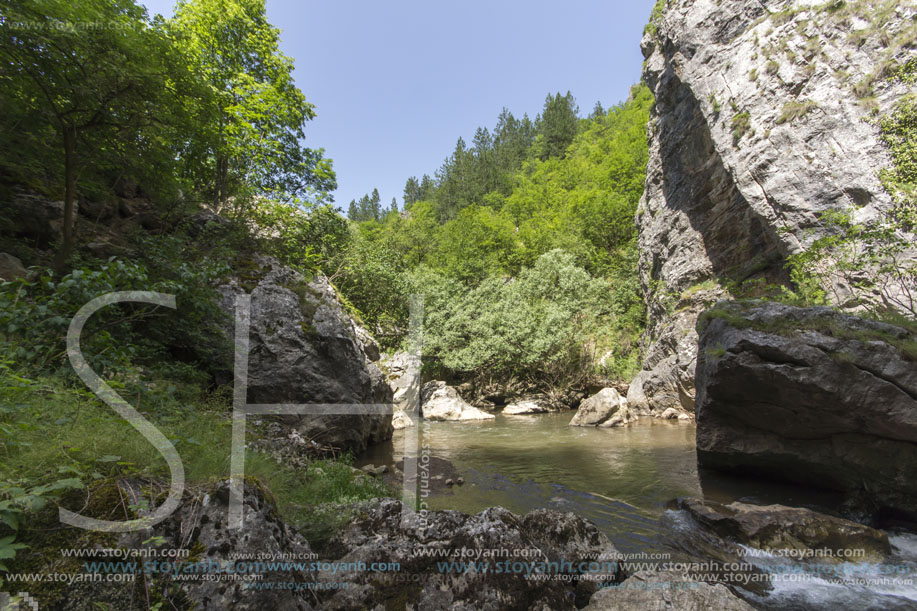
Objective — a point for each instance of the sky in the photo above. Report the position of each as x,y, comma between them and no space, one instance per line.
396,83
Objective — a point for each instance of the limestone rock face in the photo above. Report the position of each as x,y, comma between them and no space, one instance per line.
442,402
402,371
381,535
306,349
604,409
810,395
755,133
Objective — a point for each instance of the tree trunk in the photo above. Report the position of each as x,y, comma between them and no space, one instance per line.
69,196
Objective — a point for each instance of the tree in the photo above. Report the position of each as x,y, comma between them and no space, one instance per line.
411,192
557,125
95,88
254,115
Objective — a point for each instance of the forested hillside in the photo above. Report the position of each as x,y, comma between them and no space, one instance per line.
524,246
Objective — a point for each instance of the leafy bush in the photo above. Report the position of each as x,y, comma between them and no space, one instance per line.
543,322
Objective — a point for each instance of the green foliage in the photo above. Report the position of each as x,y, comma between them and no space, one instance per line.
544,324
35,314
471,252
655,17
82,104
795,110
58,439
840,258
253,114
899,133
305,237
741,125
556,126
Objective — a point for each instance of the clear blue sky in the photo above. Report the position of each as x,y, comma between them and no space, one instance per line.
396,83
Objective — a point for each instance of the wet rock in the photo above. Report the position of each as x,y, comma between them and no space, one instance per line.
670,414
11,268
525,407
304,348
665,591
795,532
442,402
383,534
604,409
812,396
400,420
432,473
402,372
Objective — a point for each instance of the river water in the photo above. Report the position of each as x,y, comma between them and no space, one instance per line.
620,479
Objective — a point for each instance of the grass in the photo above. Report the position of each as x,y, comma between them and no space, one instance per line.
795,110
49,427
741,125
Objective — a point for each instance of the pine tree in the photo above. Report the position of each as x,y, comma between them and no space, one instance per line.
557,125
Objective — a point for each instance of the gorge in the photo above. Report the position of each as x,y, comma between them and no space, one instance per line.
660,356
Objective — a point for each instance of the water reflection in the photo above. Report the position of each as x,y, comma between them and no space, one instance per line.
620,479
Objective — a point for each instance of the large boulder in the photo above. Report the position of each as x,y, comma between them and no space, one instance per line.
526,406
442,402
34,217
605,409
11,268
790,531
758,128
304,348
810,395
665,591
454,560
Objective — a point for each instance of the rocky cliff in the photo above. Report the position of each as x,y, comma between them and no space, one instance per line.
765,118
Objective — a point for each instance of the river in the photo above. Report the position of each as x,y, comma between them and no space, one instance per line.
620,479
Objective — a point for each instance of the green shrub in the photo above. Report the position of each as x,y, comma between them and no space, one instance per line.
795,110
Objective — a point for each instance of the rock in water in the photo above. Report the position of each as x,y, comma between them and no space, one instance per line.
810,395
748,149
806,534
604,409
306,349
402,372
442,402
423,543
524,407
665,591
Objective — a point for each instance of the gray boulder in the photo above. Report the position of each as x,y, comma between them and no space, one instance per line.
304,348
665,591
605,409
402,372
791,531
809,395
11,268
425,541
525,407
442,402
35,218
